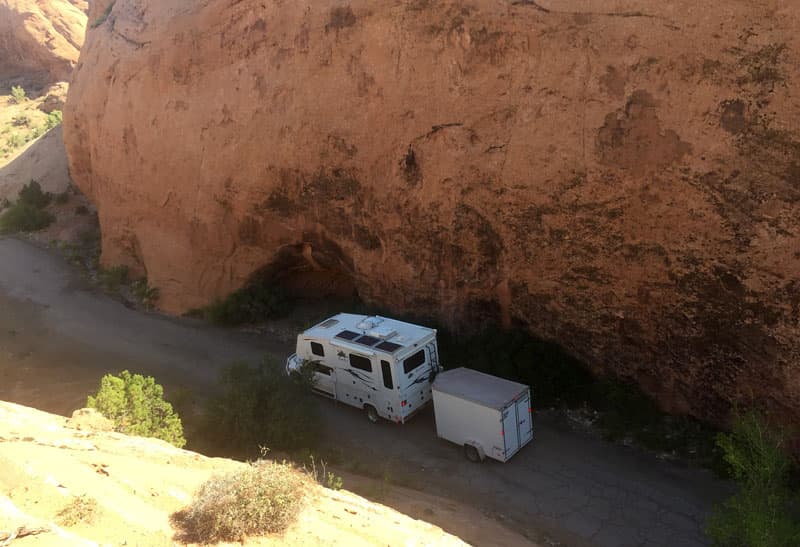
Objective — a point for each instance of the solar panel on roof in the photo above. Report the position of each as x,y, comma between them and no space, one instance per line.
388,346
367,340
347,335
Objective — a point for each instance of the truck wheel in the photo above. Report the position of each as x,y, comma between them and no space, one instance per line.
372,414
472,453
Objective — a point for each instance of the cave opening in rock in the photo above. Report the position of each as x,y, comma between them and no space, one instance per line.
310,271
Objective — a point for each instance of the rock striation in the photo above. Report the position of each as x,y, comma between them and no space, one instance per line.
621,176
40,39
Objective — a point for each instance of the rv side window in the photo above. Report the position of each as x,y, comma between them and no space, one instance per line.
414,361
317,349
361,363
386,368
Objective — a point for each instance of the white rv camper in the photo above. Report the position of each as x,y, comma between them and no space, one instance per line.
381,365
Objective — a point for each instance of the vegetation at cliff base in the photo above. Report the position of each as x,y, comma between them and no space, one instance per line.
263,498
251,304
136,405
28,213
765,512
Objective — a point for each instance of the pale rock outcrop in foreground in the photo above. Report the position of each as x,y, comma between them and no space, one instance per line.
620,176
47,460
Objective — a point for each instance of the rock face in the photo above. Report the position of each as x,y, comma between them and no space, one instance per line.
40,38
620,176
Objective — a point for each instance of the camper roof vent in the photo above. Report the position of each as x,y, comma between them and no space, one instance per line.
369,323
383,332
328,323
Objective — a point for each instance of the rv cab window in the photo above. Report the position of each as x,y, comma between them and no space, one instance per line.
414,361
317,349
361,363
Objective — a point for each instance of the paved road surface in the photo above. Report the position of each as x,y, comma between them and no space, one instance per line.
58,336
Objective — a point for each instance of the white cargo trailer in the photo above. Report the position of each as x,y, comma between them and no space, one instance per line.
488,416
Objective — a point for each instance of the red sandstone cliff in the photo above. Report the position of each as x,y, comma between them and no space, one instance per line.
620,176
40,39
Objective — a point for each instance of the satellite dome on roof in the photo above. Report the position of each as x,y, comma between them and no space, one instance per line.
370,323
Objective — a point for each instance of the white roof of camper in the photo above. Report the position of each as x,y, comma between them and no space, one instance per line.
478,387
384,329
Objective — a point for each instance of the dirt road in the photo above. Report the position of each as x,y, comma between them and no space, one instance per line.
58,336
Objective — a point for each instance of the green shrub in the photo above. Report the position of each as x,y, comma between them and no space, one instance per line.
259,406
33,195
249,304
18,95
263,498
54,119
15,141
62,198
114,277
144,293
318,471
21,217
764,512
136,405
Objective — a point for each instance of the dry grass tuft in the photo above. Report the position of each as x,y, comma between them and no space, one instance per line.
82,509
263,498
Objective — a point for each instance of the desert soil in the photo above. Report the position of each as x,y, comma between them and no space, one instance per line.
59,335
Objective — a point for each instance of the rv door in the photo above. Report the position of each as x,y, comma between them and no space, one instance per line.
324,379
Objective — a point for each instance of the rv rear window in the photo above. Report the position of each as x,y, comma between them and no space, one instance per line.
414,361
361,363
317,349
347,335
386,368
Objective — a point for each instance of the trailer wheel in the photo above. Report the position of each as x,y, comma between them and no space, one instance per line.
472,453
372,414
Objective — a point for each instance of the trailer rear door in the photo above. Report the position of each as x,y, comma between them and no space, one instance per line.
510,433
524,419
